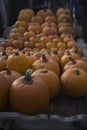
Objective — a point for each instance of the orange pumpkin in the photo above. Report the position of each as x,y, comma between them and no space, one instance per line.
76,64
18,62
10,75
46,63
4,92
43,13
29,94
74,82
51,79
65,58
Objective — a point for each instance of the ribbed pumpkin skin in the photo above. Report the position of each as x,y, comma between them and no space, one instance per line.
46,63
74,82
18,62
76,64
13,75
29,98
51,79
4,92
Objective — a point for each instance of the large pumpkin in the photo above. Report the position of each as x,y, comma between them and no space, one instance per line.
51,79
4,92
74,82
29,94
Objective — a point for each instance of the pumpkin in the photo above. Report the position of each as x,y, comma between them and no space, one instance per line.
17,43
65,58
25,17
6,43
61,45
43,13
34,27
64,18
30,12
62,11
51,79
71,44
77,50
28,35
20,30
65,29
14,35
18,62
76,64
21,23
29,44
74,82
36,19
51,18
2,64
45,24
10,75
4,92
31,59
46,63
29,94
84,58
49,30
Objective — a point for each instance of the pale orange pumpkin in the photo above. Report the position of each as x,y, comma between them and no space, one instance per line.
74,82
18,62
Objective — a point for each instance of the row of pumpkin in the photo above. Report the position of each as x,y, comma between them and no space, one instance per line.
39,57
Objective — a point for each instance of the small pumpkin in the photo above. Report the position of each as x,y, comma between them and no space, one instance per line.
46,63
65,58
73,63
18,62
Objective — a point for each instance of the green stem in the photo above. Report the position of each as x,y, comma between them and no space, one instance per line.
77,72
8,71
28,77
44,58
73,61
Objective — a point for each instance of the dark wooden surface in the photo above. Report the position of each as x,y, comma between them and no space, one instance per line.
65,106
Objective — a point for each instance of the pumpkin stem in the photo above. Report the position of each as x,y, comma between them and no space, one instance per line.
77,72
73,61
28,54
45,10
55,52
76,49
4,54
28,78
68,52
21,48
44,58
16,53
8,71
